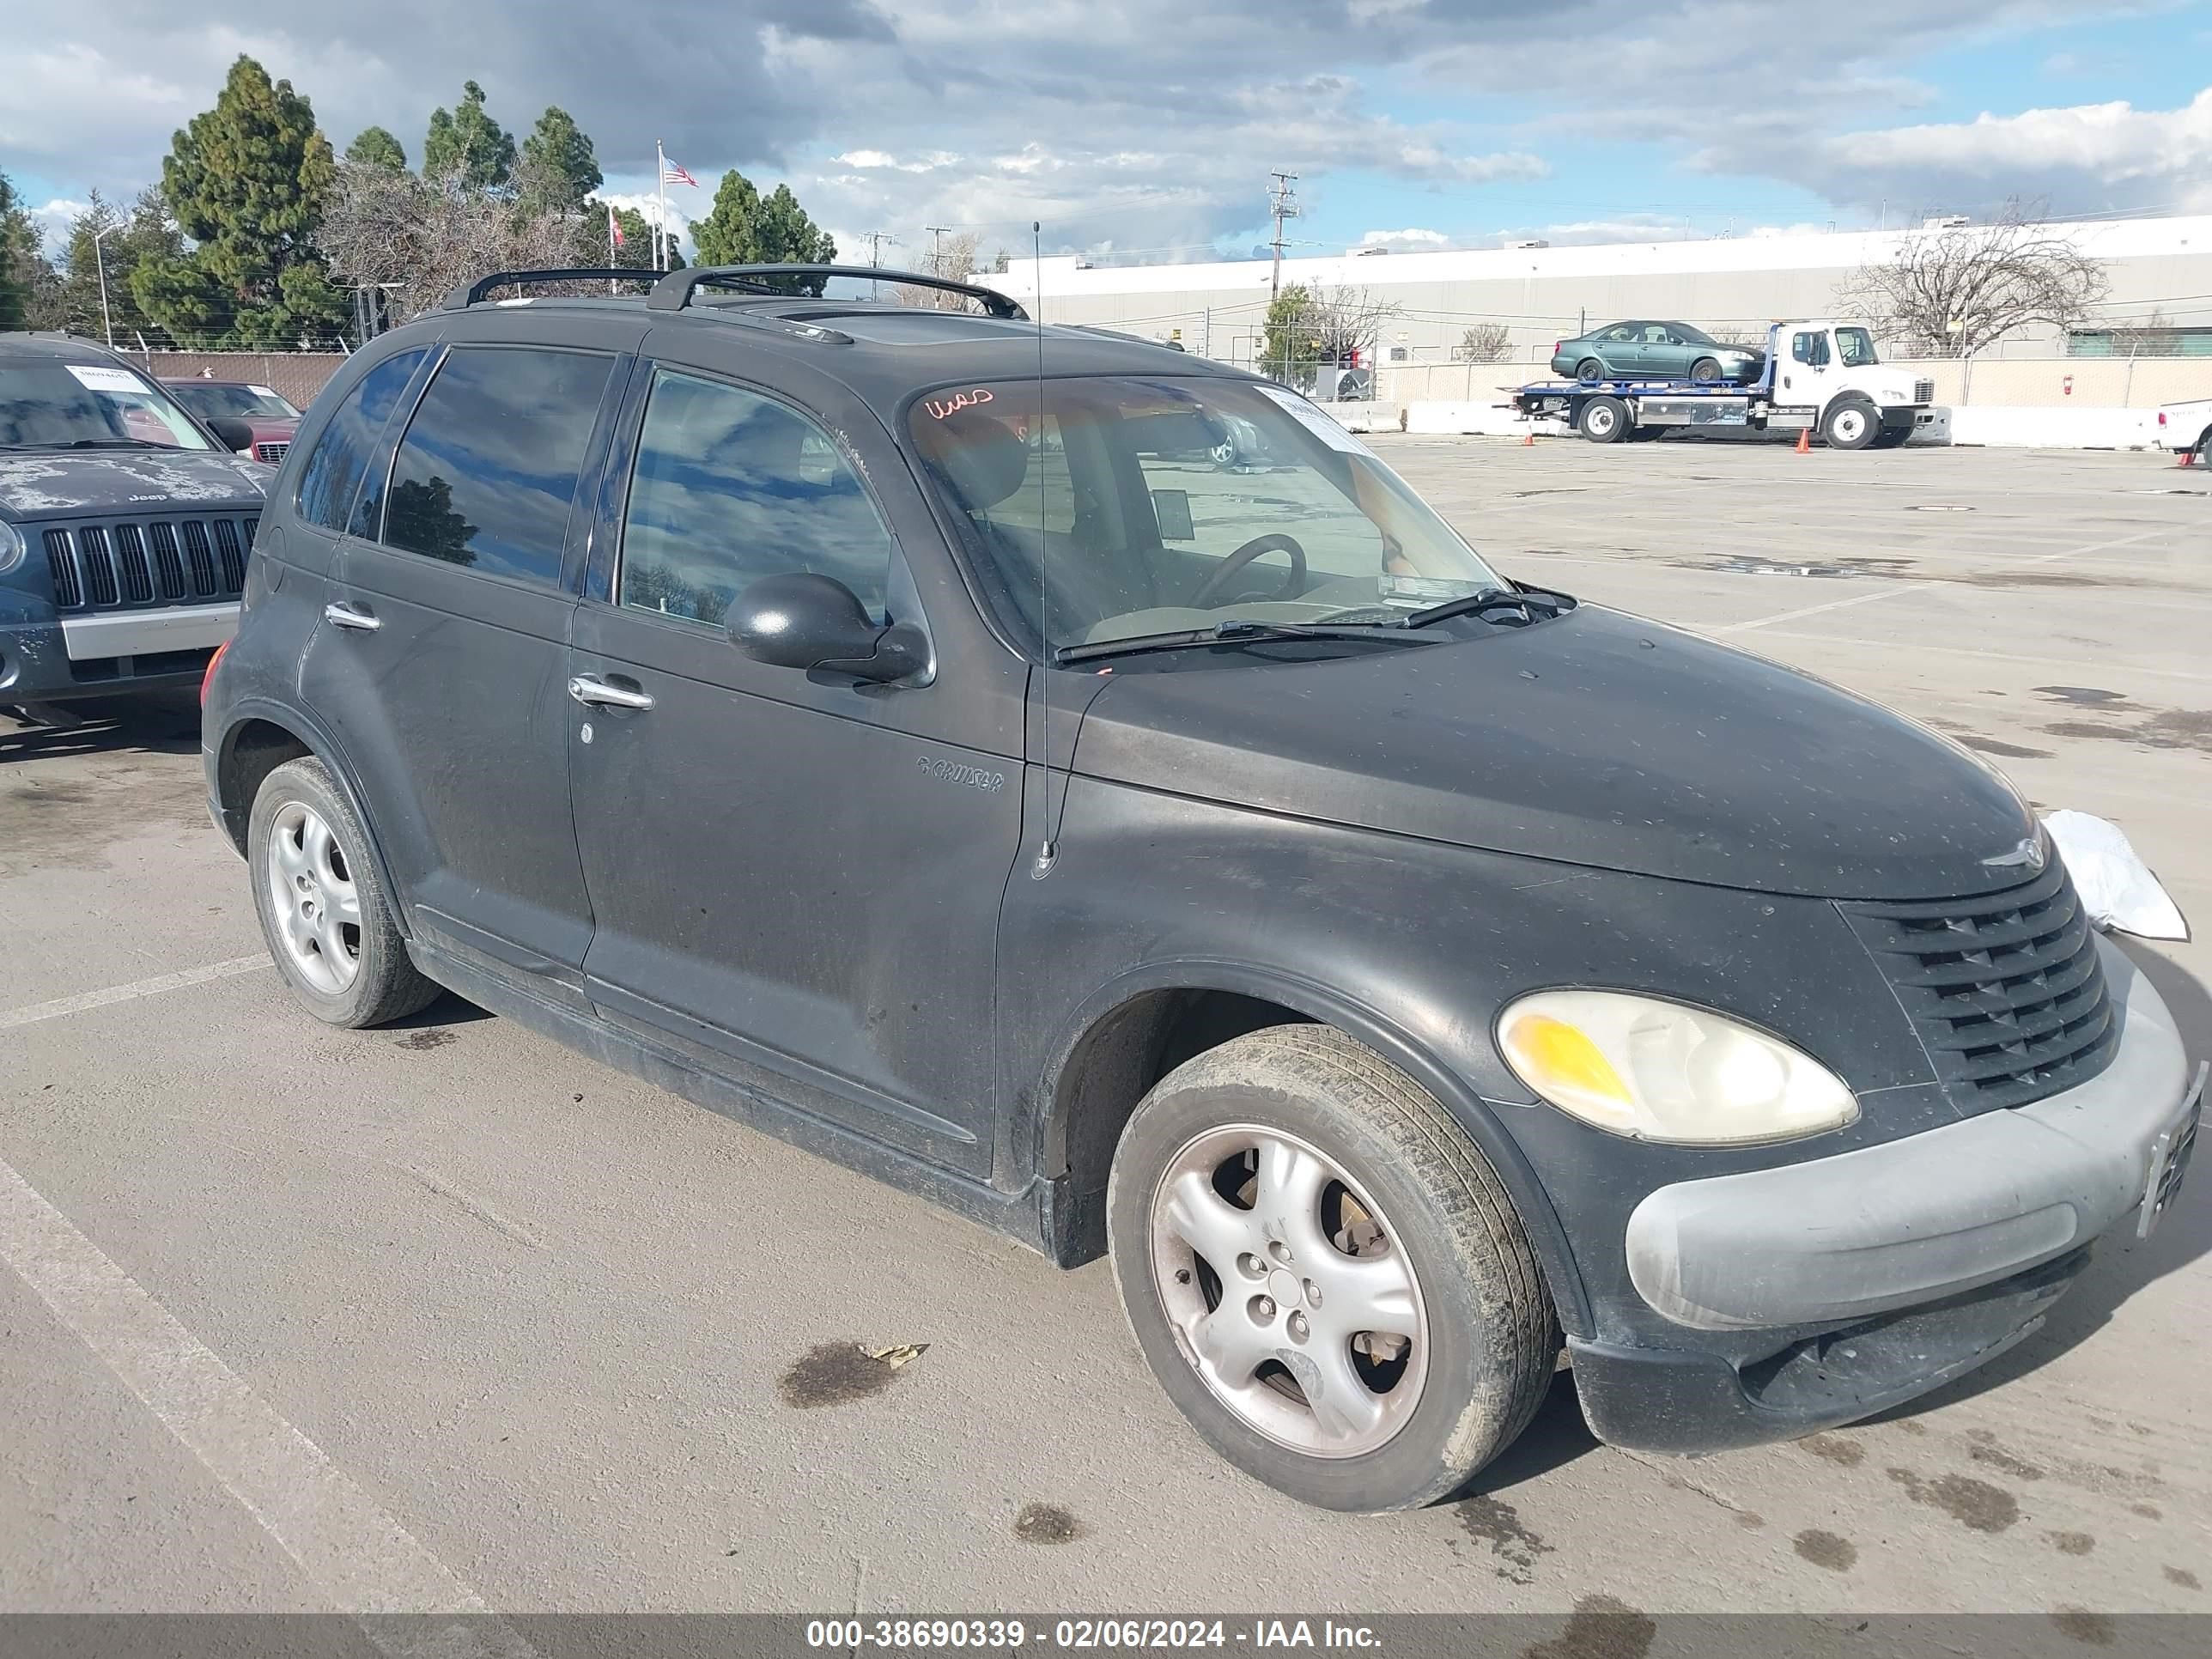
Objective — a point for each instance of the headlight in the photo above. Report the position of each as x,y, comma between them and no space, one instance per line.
11,547
1659,1070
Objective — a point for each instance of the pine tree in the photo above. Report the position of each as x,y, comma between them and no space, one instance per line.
19,244
559,170
743,228
375,147
129,242
467,141
246,181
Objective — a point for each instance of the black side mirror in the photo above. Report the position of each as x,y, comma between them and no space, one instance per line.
808,622
232,433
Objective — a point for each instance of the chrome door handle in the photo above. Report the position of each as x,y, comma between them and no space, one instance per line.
339,614
592,692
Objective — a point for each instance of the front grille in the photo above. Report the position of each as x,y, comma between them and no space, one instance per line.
149,562
1923,391
271,453
2007,990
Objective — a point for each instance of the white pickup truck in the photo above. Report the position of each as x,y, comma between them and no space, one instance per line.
2187,429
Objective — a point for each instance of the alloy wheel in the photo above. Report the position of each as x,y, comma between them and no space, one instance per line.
313,898
1288,1292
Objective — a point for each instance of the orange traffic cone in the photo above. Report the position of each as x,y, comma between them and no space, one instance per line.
2188,458
1804,440
1529,442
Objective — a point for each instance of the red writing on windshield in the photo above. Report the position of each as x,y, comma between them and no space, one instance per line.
957,401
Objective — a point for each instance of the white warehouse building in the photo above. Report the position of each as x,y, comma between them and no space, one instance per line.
2160,269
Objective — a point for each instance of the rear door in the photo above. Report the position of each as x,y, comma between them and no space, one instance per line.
445,664
792,875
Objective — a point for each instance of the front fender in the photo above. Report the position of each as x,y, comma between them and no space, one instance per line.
1414,947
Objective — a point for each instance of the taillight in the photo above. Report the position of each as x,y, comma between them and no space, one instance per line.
1558,346
210,675
2161,418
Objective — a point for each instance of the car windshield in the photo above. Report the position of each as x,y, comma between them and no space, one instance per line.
52,405
1148,506
1855,346
213,400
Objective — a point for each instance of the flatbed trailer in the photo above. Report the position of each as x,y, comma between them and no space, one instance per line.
1819,376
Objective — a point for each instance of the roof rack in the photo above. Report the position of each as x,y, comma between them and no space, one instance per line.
470,294
673,292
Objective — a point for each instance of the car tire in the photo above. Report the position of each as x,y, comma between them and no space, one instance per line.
2204,448
1850,423
1705,369
326,916
1605,420
1589,371
1379,1164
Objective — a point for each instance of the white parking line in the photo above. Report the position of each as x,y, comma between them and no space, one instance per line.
369,1564
1915,588
33,1013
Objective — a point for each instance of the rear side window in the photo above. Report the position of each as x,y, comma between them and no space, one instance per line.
487,471
731,487
332,478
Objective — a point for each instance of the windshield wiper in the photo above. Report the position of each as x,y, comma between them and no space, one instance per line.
1233,632
1530,601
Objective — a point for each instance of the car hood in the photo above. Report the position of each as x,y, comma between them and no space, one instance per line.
1596,739
75,482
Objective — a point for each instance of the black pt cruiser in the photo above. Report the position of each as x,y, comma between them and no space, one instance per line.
894,727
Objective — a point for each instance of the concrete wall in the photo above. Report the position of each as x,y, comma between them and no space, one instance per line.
1729,286
1992,382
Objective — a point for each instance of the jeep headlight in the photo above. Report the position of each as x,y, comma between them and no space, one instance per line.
1660,1071
12,547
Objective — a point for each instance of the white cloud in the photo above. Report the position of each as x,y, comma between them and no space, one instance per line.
1411,240
53,222
2085,156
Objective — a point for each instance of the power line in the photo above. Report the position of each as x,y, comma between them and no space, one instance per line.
1282,203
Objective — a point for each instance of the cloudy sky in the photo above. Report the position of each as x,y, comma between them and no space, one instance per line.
1148,127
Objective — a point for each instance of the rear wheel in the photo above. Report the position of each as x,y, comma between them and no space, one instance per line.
327,920
1705,369
1589,371
1605,420
1324,1272
1850,423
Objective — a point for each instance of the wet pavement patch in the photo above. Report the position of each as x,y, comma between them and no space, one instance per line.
1835,1449
429,1037
1599,1627
1941,507
2087,696
1824,1549
1975,1505
1046,1523
1986,1449
2072,1543
1513,1548
2183,1576
2173,728
836,1374
2094,1630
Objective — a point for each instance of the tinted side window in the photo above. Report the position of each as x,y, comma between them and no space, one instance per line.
731,487
487,471
1811,350
332,476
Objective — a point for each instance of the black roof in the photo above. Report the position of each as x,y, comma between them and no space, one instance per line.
883,350
59,348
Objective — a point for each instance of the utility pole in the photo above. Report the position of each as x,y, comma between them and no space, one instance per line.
937,248
1282,203
100,259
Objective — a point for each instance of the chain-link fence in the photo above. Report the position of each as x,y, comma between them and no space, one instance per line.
295,376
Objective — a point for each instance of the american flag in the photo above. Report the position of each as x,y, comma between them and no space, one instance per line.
672,174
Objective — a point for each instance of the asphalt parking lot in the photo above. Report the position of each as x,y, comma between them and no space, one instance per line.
534,1332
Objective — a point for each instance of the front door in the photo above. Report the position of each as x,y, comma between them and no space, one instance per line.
442,662
794,876
1807,371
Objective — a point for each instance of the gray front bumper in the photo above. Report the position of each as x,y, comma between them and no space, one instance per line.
1837,1239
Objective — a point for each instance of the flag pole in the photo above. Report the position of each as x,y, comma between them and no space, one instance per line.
660,192
610,247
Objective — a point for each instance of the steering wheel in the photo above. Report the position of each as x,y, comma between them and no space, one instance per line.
1210,591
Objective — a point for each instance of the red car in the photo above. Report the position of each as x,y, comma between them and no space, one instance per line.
273,418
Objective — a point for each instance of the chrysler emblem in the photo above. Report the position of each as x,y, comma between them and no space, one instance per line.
2029,856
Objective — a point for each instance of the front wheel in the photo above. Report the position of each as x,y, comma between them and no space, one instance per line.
1850,424
1324,1272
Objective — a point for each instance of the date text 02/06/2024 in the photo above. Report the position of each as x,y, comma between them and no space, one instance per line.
1084,1634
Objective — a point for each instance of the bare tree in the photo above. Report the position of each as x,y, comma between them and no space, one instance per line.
1347,320
1953,290
2154,336
1484,343
420,238
952,258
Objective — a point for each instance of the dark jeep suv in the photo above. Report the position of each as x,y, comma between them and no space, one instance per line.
888,726
124,524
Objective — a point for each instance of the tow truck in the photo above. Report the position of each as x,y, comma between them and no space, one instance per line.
1820,376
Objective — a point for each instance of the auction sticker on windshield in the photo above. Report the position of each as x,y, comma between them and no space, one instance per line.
1313,421
97,377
